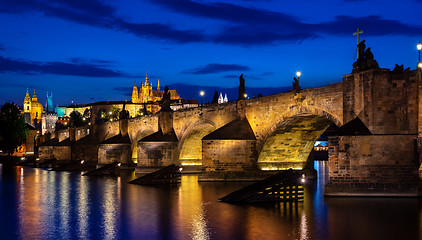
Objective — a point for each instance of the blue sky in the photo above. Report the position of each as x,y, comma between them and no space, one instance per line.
91,50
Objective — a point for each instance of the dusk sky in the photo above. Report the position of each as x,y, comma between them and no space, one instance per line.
91,50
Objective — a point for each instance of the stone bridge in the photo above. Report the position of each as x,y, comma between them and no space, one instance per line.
375,114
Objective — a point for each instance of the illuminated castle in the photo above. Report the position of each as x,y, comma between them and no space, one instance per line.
32,108
147,94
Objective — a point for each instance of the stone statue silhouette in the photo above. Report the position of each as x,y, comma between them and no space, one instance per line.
124,114
165,105
242,90
295,85
215,97
368,54
362,47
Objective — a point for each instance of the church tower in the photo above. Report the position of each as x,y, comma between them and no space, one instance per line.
27,103
36,108
158,85
135,93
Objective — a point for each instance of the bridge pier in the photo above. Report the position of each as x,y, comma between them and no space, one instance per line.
383,161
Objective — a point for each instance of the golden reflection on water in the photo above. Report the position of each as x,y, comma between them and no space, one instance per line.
64,204
191,209
29,211
111,208
83,209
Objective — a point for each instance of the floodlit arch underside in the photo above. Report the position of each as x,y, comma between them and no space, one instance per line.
135,143
290,145
191,151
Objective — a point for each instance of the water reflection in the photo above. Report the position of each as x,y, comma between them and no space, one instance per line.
190,209
40,204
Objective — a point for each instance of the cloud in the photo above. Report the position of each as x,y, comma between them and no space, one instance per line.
245,26
217,68
59,68
272,27
97,14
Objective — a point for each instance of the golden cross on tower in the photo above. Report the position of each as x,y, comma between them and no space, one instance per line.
357,47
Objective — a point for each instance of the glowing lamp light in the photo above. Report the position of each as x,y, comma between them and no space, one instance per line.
84,119
202,93
119,164
245,95
419,46
180,169
82,162
109,113
22,158
298,73
303,178
420,65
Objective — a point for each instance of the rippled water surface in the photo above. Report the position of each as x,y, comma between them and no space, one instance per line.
42,204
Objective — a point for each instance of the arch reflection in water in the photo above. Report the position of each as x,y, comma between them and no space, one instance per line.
191,209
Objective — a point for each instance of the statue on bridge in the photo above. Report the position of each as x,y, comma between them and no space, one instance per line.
165,101
215,97
295,83
124,114
242,91
366,59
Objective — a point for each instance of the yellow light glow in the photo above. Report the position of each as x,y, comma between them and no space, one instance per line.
420,65
298,73
202,93
419,46
191,164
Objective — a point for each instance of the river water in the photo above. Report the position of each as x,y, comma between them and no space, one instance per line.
42,204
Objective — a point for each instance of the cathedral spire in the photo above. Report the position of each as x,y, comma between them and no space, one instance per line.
158,85
147,80
135,95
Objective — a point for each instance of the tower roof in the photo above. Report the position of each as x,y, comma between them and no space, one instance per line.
34,98
27,97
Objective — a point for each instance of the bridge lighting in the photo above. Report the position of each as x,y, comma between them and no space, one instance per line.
202,93
298,73
303,178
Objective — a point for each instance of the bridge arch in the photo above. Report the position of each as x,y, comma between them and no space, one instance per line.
190,144
291,138
135,137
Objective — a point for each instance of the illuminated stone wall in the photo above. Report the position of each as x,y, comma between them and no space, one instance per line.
157,154
371,164
109,153
229,155
385,101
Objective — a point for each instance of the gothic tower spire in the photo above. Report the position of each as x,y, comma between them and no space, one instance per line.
135,93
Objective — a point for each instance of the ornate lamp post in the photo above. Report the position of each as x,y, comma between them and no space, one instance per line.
419,47
298,73
202,93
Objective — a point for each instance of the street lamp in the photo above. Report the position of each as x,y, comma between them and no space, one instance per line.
298,73
419,47
202,93
245,95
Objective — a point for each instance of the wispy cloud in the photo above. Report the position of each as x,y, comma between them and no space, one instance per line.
217,68
245,26
59,68
97,14
271,27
